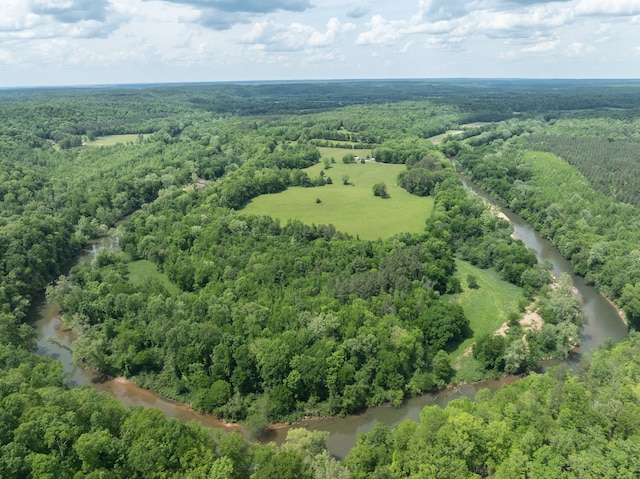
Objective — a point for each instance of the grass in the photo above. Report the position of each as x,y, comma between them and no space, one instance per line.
339,153
144,269
436,140
486,307
114,140
350,208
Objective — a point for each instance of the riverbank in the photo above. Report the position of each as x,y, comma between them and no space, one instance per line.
621,313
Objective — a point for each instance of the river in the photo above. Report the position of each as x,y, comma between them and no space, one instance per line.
56,342
604,322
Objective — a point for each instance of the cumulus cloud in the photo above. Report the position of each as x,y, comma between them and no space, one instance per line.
220,20
542,47
247,6
327,38
434,10
608,8
224,14
359,10
272,36
384,32
59,19
260,6
71,11
298,37
16,16
381,31
444,22
520,23
532,2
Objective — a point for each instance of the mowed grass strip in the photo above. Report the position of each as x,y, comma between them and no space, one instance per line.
350,208
141,270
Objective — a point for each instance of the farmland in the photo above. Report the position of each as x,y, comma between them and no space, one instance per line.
351,208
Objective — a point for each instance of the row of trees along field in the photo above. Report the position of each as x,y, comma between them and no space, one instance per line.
594,229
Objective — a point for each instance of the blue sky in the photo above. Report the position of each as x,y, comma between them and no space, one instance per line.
79,42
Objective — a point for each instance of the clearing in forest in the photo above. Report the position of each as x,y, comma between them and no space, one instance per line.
487,307
143,270
351,208
114,140
339,153
436,140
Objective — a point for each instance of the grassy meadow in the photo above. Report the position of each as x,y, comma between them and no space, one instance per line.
339,153
114,140
141,270
350,208
436,140
487,308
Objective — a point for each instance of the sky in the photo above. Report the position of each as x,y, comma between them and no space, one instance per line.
87,42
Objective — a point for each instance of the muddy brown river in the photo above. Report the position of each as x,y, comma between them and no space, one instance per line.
604,322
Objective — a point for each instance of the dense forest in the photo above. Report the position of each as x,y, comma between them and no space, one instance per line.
260,320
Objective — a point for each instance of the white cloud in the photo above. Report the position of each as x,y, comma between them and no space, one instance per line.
334,27
359,10
71,11
548,46
606,7
406,47
381,31
224,39
492,19
16,17
50,19
577,49
273,36
225,14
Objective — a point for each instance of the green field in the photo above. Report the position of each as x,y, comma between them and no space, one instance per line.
339,153
436,140
144,269
114,140
487,308
352,208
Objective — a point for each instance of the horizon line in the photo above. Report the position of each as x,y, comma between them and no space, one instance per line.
301,80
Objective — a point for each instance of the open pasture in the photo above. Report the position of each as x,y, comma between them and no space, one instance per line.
350,208
114,140
487,308
339,153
